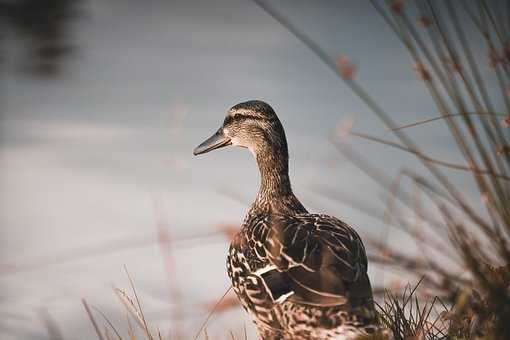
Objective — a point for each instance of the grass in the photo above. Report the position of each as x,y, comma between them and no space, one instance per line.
470,297
134,311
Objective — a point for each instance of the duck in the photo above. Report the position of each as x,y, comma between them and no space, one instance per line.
299,275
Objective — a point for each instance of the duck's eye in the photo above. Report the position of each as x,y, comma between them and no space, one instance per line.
235,118
228,120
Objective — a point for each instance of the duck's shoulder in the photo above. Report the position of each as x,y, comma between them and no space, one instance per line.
259,225
246,245
317,220
310,240
311,224
321,255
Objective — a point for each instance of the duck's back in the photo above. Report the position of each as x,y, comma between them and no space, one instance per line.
301,275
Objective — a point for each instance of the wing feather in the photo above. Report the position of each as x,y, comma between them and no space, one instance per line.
323,256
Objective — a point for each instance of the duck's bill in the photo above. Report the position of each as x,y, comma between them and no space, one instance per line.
216,141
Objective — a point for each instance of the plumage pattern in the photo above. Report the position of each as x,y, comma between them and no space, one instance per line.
300,275
320,259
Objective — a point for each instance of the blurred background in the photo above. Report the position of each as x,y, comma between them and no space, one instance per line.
101,105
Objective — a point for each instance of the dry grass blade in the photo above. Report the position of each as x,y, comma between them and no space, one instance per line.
478,81
433,119
92,320
140,311
204,324
304,38
130,307
131,331
457,133
166,247
108,335
51,325
385,182
108,322
406,318
428,158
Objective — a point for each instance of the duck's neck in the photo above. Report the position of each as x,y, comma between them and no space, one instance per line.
275,192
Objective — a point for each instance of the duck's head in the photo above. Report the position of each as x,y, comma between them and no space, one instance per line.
253,125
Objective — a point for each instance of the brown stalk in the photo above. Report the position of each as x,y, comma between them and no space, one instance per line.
385,182
110,324
396,222
406,42
417,238
107,334
413,265
131,331
431,265
475,73
92,320
433,119
404,226
499,33
474,69
454,128
502,141
481,25
52,328
204,324
453,55
442,108
428,158
145,327
165,246
130,306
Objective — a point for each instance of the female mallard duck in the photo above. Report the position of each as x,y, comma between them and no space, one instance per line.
300,275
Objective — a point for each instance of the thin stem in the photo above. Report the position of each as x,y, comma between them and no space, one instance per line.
211,313
451,88
92,320
428,158
429,120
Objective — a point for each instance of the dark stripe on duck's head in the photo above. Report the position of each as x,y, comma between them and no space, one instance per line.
254,125
253,108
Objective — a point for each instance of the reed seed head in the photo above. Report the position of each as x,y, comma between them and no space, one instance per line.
346,69
421,71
